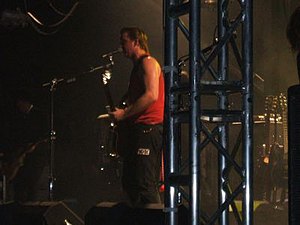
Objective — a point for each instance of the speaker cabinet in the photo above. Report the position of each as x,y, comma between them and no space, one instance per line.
112,213
38,213
294,154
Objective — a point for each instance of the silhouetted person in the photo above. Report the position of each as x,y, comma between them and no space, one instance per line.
293,34
24,146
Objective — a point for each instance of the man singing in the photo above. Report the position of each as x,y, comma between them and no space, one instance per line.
143,119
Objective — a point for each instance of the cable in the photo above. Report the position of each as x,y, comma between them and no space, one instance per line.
40,23
55,9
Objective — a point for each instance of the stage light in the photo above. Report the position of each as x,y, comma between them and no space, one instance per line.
210,2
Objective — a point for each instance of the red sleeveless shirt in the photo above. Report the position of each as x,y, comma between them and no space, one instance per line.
154,114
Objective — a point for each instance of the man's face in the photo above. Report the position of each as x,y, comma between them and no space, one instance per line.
127,45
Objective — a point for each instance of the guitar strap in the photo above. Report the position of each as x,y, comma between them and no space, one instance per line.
124,98
138,63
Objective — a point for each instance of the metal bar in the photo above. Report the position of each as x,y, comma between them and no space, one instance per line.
171,155
226,204
223,104
234,152
224,152
194,125
219,137
184,30
178,10
222,42
247,71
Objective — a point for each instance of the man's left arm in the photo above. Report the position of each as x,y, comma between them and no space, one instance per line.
151,79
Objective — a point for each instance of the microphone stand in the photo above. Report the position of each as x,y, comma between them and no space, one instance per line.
53,86
51,178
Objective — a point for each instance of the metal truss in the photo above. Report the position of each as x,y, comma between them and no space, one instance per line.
209,77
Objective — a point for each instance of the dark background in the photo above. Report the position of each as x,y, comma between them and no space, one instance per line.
30,57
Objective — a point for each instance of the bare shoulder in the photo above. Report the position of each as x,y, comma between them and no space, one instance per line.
150,61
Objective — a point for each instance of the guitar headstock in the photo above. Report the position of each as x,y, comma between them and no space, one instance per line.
106,76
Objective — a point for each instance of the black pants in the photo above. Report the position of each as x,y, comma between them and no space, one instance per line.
142,161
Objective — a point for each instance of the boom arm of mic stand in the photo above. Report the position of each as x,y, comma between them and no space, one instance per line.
93,69
53,85
55,81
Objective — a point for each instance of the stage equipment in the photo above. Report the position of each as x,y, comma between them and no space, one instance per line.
25,14
119,50
38,213
210,2
53,85
109,160
294,154
270,214
271,151
109,163
114,213
114,128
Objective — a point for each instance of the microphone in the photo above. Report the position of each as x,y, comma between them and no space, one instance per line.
119,50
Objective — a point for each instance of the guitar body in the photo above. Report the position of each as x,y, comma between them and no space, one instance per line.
121,132
116,139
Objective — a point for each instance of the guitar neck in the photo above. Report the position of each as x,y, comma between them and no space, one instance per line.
109,98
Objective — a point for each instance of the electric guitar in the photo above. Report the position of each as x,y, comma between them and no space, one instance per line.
117,129
14,159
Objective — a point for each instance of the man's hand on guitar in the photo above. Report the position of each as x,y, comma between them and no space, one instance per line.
118,114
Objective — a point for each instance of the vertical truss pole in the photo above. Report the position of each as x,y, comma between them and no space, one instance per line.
247,71
223,104
194,121
171,128
223,115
